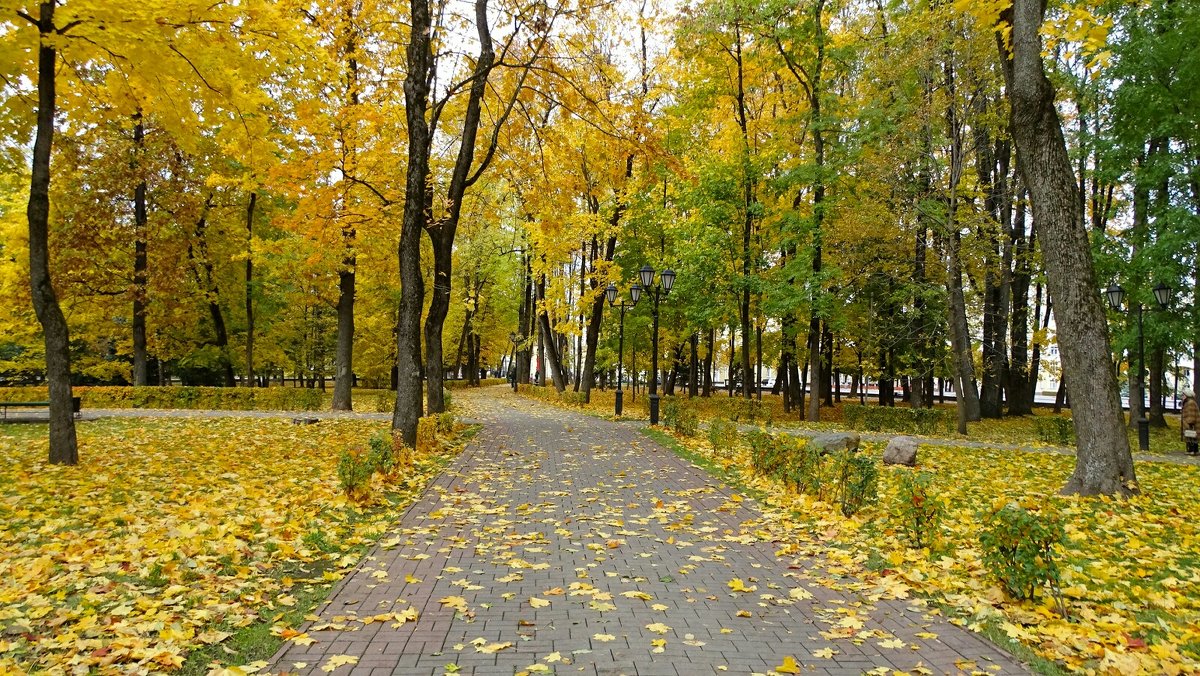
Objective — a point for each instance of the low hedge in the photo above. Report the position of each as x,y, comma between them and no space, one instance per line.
181,397
220,398
897,419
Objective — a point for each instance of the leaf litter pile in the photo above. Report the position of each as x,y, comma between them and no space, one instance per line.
171,534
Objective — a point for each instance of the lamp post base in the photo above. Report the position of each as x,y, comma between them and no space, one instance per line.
620,397
654,409
1143,425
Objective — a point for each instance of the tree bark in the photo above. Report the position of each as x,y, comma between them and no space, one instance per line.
250,288
550,341
709,346
141,370
1020,396
64,449
412,286
1104,464
344,376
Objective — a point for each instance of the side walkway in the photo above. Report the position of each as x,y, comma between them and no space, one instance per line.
563,542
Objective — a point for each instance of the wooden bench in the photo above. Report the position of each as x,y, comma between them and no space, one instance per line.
76,406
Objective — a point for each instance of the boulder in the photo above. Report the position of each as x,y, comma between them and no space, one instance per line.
901,451
832,443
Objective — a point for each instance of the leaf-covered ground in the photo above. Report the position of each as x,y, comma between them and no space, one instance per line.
171,534
1130,575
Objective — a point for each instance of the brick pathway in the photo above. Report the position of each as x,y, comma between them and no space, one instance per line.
570,544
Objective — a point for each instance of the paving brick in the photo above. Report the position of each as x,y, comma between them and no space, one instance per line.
544,498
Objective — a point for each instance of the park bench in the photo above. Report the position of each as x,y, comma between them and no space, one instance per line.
76,406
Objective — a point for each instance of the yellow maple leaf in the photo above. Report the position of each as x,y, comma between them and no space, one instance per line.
789,666
603,638
658,628
825,653
637,595
336,661
892,643
538,603
737,585
493,647
456,602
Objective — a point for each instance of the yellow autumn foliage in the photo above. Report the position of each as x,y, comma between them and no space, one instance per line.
169,531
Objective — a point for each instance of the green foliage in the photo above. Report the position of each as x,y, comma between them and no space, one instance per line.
750,411
770,453
572,398
680,415
897,419
445,422
857,482
354,470
918,508
427,436
1019,550
1054,429
385,401
183,397
723,435
382,455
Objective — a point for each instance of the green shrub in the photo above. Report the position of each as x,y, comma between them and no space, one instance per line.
770,454
897,419
1054,429
385,401
1019,550
806,470
918,508
427,436
748,410
445,423
354,470
572,398
382,456
447,399
857,480
723,435
680,415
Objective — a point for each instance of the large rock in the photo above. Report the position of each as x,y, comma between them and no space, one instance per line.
901,451
832,443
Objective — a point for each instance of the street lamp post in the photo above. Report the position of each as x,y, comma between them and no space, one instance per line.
667,280
1116,298
635,293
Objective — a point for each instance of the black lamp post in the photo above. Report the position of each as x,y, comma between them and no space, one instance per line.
1116,298
667,280
635,293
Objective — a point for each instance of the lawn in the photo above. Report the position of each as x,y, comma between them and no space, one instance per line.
177,536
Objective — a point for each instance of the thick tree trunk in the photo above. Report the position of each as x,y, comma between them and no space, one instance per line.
592,335
1020,395
694,368
550,342
250,288
960,336
1103,463
141,370
1157,359
64,449
344,374
441,233
412,286
709,345
207,285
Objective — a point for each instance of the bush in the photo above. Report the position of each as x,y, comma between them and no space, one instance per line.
445,422
382,455
918,508
857,482
1019,550
427,437
897,419
749,410
680,415
354,471
571,398
1054,429
182,397
385,401
723,435
769,454
806,469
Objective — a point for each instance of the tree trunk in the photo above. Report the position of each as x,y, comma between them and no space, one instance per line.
1020,395
412,286
550,342
250,288
64,449
345,335
694,368
1104,464
141,371
709,345
1157,359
